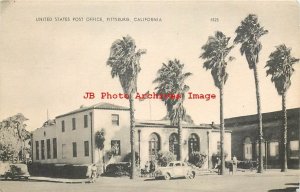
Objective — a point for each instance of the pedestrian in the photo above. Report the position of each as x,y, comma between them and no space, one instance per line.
219,166
234,162
152,167
93,173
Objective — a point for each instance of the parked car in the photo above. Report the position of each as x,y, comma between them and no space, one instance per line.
175,169
17,171
4,167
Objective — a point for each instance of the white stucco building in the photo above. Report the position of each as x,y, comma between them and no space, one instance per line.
70,138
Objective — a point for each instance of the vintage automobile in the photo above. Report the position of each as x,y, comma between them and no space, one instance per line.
175,169
17,171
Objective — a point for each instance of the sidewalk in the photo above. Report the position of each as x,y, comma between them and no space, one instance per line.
59,180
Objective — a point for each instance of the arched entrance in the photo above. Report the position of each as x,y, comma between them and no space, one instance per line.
154,146
173,144
193,143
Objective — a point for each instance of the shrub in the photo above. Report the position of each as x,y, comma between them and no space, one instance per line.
165,157
127,158
58,171
118,169
197,159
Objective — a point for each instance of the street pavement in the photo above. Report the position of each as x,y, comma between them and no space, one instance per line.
270,181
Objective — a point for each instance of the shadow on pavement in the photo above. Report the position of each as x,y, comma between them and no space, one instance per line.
288,189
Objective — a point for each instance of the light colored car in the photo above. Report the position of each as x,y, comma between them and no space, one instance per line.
175,169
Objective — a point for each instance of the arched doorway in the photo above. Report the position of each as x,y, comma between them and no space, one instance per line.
173,144
154,146
193,143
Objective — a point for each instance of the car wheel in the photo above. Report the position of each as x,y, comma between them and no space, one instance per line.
167,176
190,175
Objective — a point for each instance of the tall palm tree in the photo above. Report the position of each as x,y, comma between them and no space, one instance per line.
171,80
215,55
124,61
280,67
248,35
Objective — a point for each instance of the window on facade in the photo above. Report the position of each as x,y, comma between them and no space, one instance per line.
86,148
154,146
247,148
54,143
115,119
73,123
194,145
42,149
294,149
173,144
37,150
263,149
116,147
48,149
85,121
274,149
63,126
63,151
74,149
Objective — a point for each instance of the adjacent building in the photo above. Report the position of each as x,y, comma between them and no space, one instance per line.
70,137
245,141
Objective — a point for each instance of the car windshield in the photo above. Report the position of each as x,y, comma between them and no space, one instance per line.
171,164
178,164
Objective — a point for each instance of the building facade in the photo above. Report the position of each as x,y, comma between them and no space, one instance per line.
245,141
70,138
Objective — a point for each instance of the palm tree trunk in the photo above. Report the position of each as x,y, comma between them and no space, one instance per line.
284,135
179,156
222,130
132,138
260,131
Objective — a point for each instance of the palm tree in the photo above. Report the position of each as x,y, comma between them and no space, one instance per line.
215,52
280,67
248,34
124,61
170,79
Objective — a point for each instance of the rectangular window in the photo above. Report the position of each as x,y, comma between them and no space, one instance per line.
37,150
54,143
48,149
42,149
73,123
74,149
85,121
263,152
116,147
63,126
294,149
115,119
63,151
86,148
274,149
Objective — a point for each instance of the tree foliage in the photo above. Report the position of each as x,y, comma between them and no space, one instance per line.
215,53
12,137
248,34
280,67
171,80
124,61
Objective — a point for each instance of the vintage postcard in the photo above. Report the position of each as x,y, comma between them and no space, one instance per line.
149,95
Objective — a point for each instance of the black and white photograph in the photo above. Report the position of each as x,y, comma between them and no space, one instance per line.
163,96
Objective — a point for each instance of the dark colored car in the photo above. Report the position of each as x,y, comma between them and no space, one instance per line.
17,171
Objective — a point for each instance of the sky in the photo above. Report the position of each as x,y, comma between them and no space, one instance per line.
49,65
